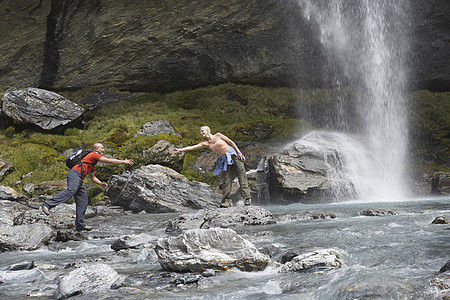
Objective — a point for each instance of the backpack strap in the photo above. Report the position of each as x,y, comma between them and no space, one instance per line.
81,166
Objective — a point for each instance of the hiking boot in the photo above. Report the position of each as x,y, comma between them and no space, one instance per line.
248,202
226,203
45,209
85,228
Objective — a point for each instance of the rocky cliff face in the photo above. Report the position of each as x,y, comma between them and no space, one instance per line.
166,45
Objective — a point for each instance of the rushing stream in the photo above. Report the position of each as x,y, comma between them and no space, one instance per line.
394,257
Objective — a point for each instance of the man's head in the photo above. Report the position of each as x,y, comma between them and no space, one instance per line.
205,131
99,148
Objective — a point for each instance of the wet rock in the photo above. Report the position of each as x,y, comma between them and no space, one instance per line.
288,257
133,241
320,260
445,268
86,280
374,290
108,211
216,248
22,266
161,126
378,212
300,173
69,235
20,276
307,215
7,193
158,189
444,219
24,237
222,217
45,109
61,216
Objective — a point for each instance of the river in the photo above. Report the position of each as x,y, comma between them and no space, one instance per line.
392,257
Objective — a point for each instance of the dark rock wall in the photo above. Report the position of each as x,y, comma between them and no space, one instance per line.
161,45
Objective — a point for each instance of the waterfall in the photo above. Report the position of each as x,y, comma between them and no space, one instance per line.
366,40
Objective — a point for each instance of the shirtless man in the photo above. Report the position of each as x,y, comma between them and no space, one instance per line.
230,164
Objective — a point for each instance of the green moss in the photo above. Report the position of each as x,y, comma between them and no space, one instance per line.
250,115
430,125
41,161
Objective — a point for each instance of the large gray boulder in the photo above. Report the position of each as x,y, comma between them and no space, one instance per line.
45,109
216,248
86,280
158,189
317,168
222,217
24,237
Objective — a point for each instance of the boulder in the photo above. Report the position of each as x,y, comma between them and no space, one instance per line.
45,109
5,166
24,237
161,126
320,260
216,248
158,189
50,188
159,154
306,216
61,216
316,168
9,210
86,280
20,276
7,193
444,219
221,217
378,212
132,241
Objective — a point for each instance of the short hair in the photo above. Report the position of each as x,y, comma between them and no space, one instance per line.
206,128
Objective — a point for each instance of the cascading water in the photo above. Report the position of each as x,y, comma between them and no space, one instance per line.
366,40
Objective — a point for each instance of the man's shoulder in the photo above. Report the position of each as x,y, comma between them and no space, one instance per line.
94,156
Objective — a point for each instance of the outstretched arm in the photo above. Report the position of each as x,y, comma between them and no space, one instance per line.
189,148
230,142
116,161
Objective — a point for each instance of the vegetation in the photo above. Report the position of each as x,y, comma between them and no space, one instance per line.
430,129
249,115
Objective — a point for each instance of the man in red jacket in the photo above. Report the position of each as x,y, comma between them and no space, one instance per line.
75,187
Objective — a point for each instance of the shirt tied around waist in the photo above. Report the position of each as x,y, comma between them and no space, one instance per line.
225,160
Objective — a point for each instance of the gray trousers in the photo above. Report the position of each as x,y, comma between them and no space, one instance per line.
76,189
236,169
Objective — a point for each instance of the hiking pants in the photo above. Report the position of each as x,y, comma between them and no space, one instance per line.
236,169
76,189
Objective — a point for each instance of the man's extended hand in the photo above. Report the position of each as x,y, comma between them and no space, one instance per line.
174,150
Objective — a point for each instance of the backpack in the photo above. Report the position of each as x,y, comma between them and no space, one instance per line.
75,159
